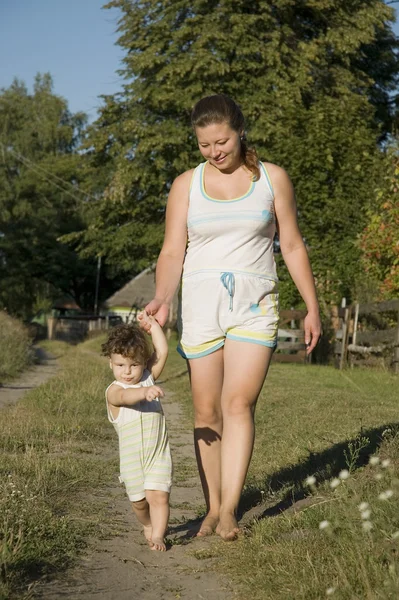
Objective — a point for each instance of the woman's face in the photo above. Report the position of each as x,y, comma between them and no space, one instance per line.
220,145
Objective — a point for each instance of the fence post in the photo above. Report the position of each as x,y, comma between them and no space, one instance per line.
51,325
396,350
345,329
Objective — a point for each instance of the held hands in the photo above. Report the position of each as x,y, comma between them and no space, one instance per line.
152,392
158,309
146,321
312,327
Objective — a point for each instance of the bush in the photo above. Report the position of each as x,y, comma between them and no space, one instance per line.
15,347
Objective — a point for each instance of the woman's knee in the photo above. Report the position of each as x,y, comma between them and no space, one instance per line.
238,406
207,415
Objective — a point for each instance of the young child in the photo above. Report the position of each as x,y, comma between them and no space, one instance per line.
135,410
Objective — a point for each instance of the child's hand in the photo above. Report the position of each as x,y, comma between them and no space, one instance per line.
153,392
145,321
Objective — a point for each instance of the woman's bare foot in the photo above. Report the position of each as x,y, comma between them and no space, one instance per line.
158,544
208,526
147,529
228,527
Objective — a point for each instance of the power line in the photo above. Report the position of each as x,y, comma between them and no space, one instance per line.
35,167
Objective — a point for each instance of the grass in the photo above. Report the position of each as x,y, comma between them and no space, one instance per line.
319,421
57,446
15,347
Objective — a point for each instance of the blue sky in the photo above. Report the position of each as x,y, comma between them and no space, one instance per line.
72,39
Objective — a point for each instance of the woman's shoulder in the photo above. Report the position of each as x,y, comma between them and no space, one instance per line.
275,171
181,185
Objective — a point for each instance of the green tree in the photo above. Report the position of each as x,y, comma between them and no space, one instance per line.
314,80
379,241
39,198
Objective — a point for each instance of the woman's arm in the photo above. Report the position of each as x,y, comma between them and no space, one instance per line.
170,260
294,251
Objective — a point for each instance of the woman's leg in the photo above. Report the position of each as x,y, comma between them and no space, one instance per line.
206,378
245,369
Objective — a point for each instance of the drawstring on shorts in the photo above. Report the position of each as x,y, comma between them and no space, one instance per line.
228,281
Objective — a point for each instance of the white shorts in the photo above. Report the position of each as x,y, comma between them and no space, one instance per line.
220,305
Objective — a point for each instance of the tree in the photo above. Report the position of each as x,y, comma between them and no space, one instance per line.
379,241
314,80
39,176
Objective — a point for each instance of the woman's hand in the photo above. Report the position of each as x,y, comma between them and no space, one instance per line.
312,326
159,310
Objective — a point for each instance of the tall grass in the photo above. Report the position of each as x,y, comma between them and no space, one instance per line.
15,347
56,450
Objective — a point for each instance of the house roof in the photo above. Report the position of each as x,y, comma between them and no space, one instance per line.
136,293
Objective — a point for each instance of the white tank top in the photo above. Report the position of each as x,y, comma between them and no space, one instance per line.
231,235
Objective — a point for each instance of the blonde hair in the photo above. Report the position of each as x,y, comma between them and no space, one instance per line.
219,108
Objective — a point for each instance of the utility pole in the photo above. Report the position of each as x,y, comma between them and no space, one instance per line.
97,285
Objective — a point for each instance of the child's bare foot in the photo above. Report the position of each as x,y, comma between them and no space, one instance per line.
147,529
208,526
158,544
228,528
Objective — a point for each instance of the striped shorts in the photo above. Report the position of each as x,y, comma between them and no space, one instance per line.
145,459
220,305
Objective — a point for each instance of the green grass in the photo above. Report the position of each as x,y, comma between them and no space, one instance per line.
317,421
56,447
15,347
313,420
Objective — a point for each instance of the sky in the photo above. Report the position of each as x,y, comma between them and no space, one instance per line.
74,40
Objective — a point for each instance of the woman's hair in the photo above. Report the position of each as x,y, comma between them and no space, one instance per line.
128,340
219,108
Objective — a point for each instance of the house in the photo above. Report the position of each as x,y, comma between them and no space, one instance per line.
133,297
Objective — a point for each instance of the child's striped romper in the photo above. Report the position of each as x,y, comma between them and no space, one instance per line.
145,459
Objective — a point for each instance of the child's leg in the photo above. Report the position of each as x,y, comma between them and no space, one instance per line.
142,511
159,512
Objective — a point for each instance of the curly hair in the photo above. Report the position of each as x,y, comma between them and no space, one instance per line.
128,340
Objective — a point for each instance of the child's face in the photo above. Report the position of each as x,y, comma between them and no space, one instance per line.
125,369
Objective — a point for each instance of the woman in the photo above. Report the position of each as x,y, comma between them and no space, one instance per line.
228,208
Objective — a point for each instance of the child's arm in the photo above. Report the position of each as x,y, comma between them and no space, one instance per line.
118,396
158,359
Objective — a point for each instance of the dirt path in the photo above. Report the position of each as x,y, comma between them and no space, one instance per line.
123,568
30,379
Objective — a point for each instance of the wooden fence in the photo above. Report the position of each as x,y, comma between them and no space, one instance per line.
368,335
291,343
74,330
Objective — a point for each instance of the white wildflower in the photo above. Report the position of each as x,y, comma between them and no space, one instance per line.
363,506
385,463
344,474
334,483
311,480
324,524
389,493
367,525
374,460
378,476
365,514
330,591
